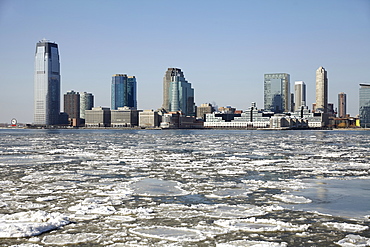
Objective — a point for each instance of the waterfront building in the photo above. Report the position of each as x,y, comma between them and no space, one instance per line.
321,90
124,117
299,95
178,120
97,117
342,105
204,109
178,95
364,111
277,92
149,119
72,107
123,91
47,84
86,103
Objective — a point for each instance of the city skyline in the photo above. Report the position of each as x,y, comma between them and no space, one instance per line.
225,48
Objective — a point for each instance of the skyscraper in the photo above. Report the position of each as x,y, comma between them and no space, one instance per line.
47,84
342,105
300,95
364,105
178,95
72,104
86,103
277,92
321,90
123,91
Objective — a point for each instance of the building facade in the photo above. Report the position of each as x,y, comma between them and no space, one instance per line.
178,95
47,84
342,105
97,117
364,111
203,109
149,119
86,103
321,90
277,92
72,107
123,91
124,117
299,95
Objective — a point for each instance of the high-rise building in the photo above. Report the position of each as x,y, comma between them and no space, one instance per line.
86,103
277,92
300,95
123,91
321,90
178,95
364,105
342,105
72,104
204,109
47,84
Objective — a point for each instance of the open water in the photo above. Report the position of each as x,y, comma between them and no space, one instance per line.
184,188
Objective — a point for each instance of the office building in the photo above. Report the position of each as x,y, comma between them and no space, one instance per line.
364,111
97,117
277,92
47,84
299,95
149,119
203,109
177,93
321,90
72,107
123,91
342,105
124,117
86,103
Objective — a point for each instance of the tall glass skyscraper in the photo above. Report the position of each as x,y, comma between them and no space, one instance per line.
277,92
364,105
178,95
123,91
86,103
321,90
300,95
47,84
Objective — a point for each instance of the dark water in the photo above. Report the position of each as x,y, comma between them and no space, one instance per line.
184,187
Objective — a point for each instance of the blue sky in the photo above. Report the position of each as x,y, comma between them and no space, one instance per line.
223,47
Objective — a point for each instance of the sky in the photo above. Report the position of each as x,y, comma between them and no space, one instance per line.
223,47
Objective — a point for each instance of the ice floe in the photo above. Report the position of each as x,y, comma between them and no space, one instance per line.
346,227
260,225
169,233
291,198
66,239
352,240
250,243
25,224
157,187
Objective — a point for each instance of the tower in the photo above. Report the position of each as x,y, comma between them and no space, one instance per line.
86,103
123,91
300,95
178,95
46,84
342,105
321,90
364,105
277,92
72,104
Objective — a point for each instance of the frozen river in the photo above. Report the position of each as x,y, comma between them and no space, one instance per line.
184,188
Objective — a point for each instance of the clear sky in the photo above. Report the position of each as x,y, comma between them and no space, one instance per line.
223,47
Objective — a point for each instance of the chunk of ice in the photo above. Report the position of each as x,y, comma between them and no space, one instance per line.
169,233
352,240
25,224
346,227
